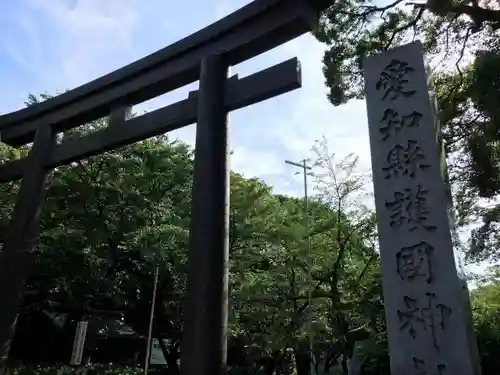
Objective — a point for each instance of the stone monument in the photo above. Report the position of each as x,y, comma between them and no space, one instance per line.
428,322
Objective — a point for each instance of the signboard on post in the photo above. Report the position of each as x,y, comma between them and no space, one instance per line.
79,342
427,320
157,357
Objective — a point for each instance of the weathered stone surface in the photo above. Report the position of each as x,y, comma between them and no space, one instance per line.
425,310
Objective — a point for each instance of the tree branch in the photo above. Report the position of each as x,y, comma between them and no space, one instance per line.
365,269
372,9
412,23
462,51
477,14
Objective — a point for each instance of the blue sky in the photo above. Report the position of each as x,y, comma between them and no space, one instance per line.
54,45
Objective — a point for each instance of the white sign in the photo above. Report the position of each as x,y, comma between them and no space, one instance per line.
78,343
157,357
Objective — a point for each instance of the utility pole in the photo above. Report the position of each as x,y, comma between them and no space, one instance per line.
303,165
151,319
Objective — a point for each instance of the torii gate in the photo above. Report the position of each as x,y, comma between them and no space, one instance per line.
205,55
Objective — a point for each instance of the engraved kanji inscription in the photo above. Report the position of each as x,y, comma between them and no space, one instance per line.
404,160
393,81
415,262
409,208
392,122
424,318
421,368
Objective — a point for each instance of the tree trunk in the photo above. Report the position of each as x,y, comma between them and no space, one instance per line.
345,368
283,365
172,365
17,254
268,364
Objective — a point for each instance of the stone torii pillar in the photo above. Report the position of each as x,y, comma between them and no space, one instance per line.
205,322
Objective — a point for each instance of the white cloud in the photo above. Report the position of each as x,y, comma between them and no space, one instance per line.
28,54
256,164
295,120
88,38
92,36
344,127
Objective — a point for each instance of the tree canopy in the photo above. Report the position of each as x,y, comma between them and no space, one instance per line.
110,219
462,45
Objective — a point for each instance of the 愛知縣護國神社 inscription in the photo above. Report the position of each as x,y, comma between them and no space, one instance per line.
425,313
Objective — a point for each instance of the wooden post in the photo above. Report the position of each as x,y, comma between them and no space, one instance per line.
204,346
17,256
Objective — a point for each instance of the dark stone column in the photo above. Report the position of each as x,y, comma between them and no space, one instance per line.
204,343
17,256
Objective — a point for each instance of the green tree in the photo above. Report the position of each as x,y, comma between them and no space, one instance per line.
103,218
8,190
266,232
354,29
486,312
462,43
350,277
269,283
110,219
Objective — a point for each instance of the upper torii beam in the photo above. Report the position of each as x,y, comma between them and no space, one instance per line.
240,92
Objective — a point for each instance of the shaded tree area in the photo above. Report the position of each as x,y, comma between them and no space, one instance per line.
462,44
486,312
109,220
